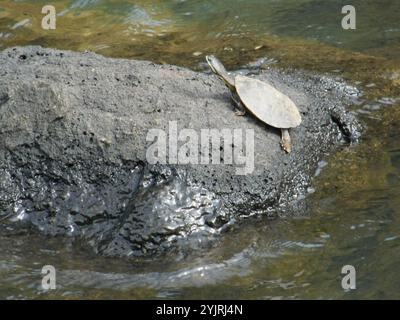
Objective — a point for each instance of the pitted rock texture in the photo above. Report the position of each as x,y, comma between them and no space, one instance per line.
73,130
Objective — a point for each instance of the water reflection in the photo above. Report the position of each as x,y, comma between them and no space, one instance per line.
185,27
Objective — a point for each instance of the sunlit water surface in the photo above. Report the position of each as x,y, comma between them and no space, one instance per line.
353,209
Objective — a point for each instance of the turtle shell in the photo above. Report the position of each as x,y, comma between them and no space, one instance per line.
266,103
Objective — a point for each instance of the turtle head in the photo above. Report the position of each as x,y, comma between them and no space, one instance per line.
218,68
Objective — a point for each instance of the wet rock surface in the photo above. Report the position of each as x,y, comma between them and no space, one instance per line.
73,144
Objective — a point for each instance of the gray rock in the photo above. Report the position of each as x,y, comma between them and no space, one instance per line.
73,130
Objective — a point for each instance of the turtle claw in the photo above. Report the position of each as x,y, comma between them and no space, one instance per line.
240,113
286,146
286,142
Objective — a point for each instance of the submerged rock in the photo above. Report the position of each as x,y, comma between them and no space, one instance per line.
74,133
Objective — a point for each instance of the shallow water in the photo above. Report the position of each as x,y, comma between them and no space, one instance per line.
353,209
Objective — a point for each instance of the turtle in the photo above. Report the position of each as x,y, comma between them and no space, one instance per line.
260,98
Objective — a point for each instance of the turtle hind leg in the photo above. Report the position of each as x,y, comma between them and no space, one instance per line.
240,110
286,142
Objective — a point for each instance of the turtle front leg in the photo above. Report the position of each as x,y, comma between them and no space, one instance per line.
240,110
286,143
